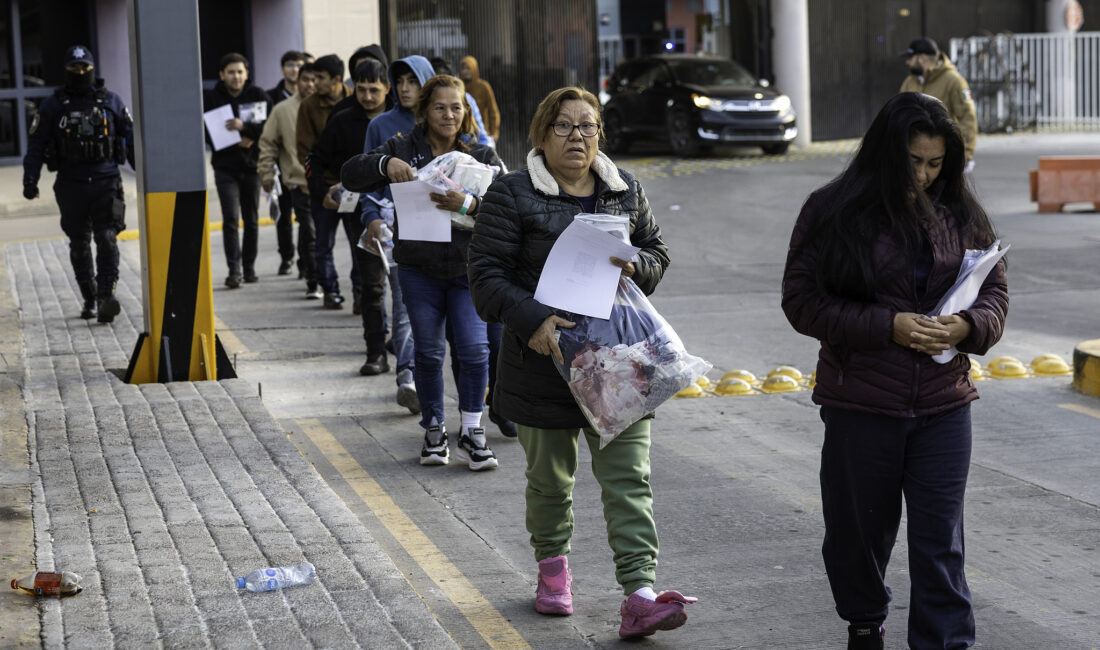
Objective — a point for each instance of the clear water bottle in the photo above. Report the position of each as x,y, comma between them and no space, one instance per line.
278,577
49,583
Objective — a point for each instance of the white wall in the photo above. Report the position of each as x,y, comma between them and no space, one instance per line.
112,53
276,28
339,26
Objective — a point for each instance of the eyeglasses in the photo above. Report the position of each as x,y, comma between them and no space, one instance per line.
565,129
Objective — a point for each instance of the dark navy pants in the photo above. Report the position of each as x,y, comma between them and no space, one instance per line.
868,464
90,212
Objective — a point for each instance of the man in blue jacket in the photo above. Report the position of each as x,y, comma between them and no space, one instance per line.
84,132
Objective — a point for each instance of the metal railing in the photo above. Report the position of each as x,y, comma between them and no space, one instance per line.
1023,81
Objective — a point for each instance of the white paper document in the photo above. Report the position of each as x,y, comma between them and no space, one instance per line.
578,276
348,202
975,268
254,112
419,218
215,120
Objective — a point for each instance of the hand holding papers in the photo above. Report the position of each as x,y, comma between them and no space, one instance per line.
220,136
578,276
975,268
420,219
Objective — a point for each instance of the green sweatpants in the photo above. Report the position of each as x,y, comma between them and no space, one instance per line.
622,469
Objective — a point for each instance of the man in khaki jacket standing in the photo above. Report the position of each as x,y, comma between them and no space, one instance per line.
279,146
932,74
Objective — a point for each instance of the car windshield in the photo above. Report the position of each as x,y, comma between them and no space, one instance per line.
711,73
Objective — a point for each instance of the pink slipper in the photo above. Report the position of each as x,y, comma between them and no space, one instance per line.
642,617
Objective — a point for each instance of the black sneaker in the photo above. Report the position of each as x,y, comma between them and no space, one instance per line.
506,426
435,450
233,281
334,301
108,308
473,450
375,366
89,310
284,267
250,277
866,636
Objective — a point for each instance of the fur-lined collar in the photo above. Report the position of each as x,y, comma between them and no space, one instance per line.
544,181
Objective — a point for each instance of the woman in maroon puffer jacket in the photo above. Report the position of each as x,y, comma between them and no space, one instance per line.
872,251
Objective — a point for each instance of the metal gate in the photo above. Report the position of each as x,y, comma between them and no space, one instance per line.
524,48
1032,80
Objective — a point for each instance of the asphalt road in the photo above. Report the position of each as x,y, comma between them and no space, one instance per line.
735,478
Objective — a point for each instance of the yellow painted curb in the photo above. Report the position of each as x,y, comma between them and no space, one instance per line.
132,233
1086,367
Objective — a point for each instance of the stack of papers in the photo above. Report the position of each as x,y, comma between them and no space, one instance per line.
578,275
975,268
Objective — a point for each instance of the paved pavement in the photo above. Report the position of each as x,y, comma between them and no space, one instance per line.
160,494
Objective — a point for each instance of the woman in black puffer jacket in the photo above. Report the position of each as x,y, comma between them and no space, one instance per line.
433,274
872,252
521,217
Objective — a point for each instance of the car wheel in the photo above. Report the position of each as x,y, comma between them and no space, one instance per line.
613,136
777,149
680,138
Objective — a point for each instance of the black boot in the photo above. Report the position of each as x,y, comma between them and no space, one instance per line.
87,292
108,309
866,636
375,365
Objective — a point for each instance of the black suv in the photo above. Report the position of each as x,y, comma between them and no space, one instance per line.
694,102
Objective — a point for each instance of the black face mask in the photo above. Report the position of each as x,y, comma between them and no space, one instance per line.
79,82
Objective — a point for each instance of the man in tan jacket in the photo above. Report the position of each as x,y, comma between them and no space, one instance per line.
932,74
279,146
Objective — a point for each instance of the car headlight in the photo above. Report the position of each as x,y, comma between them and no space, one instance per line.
702,101
782,103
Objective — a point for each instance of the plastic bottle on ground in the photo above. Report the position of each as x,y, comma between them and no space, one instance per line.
278,577
49,583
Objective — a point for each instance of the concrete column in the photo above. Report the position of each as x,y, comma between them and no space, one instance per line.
1062,74
791,52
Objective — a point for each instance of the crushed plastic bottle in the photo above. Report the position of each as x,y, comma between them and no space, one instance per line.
278,577
49,583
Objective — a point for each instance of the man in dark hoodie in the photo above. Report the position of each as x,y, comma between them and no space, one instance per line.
338,142
88,188
235,174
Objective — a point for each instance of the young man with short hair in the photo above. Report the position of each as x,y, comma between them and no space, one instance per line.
238,183
313,114
291,64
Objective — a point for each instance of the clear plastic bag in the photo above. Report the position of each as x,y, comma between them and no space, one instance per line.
624,367
458,172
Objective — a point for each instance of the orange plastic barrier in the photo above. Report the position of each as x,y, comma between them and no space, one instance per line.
1065,179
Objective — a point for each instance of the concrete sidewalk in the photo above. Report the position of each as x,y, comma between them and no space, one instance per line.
160,495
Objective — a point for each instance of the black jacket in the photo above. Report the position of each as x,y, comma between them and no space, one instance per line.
46,126
237,158
342,138
521,217
361,174
279,92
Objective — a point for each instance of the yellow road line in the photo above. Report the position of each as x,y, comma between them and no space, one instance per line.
229,340
489,623
132,233
1083,410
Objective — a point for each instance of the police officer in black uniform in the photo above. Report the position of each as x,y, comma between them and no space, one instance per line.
84,132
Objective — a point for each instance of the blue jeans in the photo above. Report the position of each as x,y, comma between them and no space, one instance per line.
869,463
401,333
326,222
432,303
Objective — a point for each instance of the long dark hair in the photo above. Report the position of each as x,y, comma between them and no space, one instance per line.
878,193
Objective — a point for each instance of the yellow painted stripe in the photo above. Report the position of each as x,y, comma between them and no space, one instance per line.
229,340
1083,410
489,623
211,227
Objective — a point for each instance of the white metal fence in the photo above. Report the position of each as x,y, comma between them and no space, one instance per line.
1032,80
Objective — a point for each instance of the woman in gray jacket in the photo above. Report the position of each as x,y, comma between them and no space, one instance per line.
521,217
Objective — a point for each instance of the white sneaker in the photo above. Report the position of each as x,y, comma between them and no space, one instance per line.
473,450
406,392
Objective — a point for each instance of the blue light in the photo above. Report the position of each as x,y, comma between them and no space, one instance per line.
669,45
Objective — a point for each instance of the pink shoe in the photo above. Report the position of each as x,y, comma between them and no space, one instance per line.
642,617
554,594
